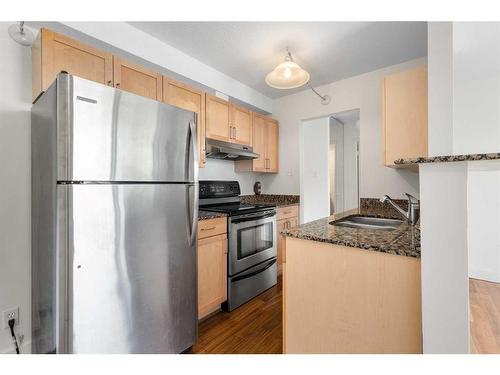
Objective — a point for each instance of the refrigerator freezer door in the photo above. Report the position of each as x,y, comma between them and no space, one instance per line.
106,134
131,280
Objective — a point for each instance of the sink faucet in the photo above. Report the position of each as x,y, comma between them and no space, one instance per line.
413,213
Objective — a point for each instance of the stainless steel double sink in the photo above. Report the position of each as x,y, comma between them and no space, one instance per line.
367,222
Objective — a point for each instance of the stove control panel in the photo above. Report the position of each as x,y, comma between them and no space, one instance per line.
219,189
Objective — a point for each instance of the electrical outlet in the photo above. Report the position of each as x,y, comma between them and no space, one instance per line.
10,314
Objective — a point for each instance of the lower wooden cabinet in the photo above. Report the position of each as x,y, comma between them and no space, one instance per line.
212,268
287,217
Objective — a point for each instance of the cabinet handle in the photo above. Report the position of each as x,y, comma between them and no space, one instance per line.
117,85
110,83
211,228
234,127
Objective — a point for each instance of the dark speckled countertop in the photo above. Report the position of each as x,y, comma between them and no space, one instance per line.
280,200
205,215
405,240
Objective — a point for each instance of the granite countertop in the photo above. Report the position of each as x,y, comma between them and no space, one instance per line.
448,158
280,200
405,240
205,215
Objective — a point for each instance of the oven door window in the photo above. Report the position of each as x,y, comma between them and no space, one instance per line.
253,240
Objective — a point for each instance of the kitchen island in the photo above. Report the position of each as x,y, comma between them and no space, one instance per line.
348,290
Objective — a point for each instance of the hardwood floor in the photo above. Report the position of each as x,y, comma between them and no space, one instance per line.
484,317
254,328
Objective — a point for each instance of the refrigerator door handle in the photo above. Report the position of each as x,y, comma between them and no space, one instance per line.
193,149
194,208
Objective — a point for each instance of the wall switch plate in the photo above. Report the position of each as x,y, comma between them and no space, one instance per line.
8,315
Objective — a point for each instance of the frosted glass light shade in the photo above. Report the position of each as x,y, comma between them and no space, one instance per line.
287,75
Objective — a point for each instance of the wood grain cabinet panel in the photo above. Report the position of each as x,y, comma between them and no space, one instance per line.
404,115
53,53
348,300
136,79
272,145
191,99
212,274
265,141
241,125
286,218
217,119
259,143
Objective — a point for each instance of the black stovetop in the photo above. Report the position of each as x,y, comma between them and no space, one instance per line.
237,208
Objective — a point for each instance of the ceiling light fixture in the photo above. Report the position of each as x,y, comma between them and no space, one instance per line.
20,34
289,75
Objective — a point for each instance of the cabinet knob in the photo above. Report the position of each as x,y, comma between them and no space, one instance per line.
117,85
110,83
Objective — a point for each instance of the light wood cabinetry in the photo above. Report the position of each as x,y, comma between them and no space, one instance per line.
228,122
136,79
286,217
265,138
404,115
240,125
53,53
217,119
212,265
348,300
191,99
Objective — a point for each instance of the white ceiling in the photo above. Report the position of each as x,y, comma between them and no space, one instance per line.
330,51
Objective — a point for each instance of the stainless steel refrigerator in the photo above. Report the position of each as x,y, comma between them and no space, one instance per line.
114,222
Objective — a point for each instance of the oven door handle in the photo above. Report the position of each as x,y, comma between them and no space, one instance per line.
252,218
253,273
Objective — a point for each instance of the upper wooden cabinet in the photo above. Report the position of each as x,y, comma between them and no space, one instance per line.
228,122
265,138
240,124
217,119
136,79
53,53
404,115
191,99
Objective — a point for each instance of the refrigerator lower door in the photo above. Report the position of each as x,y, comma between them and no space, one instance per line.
130,278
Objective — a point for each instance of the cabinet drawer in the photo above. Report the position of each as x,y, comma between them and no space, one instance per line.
287,212
212,227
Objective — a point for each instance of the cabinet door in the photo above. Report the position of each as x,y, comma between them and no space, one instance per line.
281,226
217,118
272,146
212,274
404,115
241,121
259,142
53,53
191,99
135,79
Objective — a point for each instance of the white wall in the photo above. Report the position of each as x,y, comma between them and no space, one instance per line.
336,157
483,199
15,197
314,181
440,88
361,92
224,170
445,283
351,138
476,87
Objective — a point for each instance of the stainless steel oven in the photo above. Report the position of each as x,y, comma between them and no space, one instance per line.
252,244
252,240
